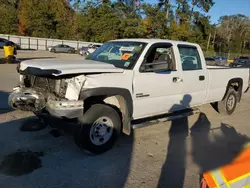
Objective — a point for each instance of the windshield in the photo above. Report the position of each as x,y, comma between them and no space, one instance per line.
121,54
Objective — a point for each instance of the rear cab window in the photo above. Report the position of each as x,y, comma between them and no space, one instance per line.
190,57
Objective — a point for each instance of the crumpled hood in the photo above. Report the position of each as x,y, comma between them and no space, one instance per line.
59,67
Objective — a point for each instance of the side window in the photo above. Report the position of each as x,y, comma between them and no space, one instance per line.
190,58
159,58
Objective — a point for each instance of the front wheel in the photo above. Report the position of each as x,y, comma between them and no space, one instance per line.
228,105
98,129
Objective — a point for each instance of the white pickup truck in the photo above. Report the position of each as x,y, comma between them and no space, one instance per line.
122,81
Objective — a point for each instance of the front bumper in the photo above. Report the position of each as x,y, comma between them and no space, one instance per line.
29,99
68,109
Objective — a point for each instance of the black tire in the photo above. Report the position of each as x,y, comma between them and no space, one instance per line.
224,106
83,136
53,50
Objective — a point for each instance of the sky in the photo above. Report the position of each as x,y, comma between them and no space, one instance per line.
225,7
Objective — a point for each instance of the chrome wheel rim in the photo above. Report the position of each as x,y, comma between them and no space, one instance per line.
231,102
101,131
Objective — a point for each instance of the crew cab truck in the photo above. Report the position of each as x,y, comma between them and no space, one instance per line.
138,78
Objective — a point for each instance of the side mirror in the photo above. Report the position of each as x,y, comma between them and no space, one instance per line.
157,66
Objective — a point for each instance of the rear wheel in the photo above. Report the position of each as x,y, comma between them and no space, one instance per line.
228,105
99,129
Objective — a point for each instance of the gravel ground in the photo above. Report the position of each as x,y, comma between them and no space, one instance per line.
167,155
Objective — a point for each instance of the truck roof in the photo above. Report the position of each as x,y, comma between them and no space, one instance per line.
155,41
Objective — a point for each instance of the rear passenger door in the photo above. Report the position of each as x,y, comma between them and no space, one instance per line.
194,74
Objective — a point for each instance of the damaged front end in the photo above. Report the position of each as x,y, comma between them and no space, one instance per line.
53,95
27,99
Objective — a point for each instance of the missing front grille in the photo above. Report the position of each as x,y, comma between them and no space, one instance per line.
55,86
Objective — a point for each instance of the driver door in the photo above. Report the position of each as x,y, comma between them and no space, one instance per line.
157,92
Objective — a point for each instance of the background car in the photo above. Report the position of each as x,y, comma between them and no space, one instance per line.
216,61
220,60
83,50
210,61
62,48
241,63
4,41
88,50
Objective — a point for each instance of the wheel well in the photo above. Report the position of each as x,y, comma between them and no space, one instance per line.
236,84
118,103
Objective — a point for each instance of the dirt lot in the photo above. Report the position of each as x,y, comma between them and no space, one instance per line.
167,155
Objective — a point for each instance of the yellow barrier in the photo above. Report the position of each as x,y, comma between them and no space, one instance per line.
9,51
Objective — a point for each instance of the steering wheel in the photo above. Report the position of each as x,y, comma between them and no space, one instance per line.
188,59
102,57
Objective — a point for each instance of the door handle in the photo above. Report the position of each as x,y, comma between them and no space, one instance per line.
177,79
201,78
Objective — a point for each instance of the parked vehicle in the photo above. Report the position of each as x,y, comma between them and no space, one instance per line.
83,50
104,94
4,41
216,61
62,48
241,58
221,60
241,63
210,61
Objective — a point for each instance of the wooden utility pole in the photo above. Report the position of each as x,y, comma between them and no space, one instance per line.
208,42
168,7
214,37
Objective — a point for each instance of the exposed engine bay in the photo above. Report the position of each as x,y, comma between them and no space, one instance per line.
54,94
51,86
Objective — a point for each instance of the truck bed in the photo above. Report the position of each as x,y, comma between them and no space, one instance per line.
219,77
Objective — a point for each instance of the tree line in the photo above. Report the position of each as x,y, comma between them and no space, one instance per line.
103,20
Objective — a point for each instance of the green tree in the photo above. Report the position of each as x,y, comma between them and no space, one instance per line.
232,33
155,21
8,15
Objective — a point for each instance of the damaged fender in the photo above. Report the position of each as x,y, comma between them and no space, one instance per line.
74,87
